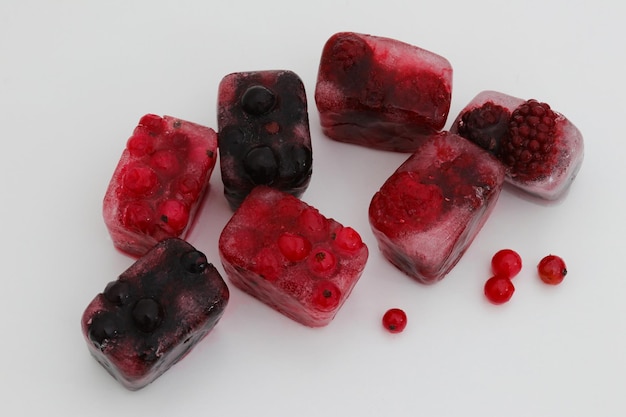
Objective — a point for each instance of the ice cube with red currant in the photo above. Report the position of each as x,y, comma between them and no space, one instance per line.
154,313
381,92
431,208
159,182
288,255
542,149
264,136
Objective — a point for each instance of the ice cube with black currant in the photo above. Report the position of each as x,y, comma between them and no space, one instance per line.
264,136
154,313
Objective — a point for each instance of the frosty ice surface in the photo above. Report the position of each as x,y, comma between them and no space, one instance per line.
286,254
154,313
430,209
159,182
542,150
380,92
264,136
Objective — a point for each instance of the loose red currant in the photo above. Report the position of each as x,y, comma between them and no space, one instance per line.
394,320
498,289
552,269
506,263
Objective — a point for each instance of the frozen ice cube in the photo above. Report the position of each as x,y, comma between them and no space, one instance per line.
541,149
381,92
430,209
289,256
264,136
154,313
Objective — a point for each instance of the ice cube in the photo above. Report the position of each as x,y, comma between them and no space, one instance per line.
154,313
381,92
431,208
159,182
264,136
542,150
289,256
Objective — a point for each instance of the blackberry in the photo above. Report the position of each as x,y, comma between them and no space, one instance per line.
529,149
485,126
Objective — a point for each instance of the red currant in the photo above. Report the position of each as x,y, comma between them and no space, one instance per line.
322,261
552,269
293,246
506,263
394,320
498,289
326,296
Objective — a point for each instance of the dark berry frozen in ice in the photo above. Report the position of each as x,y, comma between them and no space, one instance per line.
264,136
159,183
381,92
540,148
154,313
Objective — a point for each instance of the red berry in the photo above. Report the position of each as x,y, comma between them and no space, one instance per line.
140,144
529,148
348,239
499,290
174,214
294,247
266,264
322,261
166,162
394,320
404,201
552,269
138,215
140,181
506,263
326,296
153,123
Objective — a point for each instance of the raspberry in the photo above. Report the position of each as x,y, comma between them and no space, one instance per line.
529,148
485,126
406,200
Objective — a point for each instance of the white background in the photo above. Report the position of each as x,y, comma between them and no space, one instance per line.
75,77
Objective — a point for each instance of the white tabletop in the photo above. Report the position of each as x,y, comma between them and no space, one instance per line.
75,77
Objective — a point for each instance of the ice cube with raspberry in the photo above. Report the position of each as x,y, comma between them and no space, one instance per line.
381,92
541,149
288,255
159,182
154,313
431,208
264,136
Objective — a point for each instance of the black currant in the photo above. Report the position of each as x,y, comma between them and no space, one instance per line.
261,165
258,100
194,262
117,292
147,314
